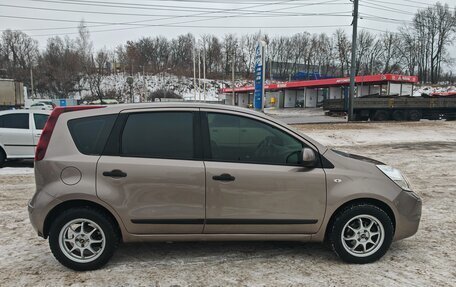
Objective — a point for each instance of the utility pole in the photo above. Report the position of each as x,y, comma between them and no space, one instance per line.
353,61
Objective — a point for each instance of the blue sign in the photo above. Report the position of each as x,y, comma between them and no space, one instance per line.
259,78
63,103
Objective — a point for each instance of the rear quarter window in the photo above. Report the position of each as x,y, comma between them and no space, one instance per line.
40,120
91,133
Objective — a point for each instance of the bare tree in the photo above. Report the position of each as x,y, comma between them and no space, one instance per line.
18,53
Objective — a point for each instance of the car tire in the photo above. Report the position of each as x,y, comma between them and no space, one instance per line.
2,157
381,116
399,115
83,238
361,233
415,115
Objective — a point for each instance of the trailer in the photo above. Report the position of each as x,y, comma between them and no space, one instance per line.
397,108
11,94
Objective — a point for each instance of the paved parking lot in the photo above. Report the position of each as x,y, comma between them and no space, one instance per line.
425,152
295,116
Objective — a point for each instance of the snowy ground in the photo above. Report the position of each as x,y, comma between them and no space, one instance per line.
425,151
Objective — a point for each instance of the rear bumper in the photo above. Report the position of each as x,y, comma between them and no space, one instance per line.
409,206
32,217
38,209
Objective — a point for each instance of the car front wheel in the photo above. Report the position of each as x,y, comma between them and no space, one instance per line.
361,233
83,238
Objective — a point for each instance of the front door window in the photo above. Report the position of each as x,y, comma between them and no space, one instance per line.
240,139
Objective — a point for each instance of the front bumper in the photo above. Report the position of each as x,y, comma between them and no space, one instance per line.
408,205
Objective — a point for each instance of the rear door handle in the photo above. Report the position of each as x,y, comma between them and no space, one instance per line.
224,177
115,173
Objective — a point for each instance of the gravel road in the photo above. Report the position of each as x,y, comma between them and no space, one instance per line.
426,259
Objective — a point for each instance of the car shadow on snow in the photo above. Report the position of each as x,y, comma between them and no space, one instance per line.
18,163
182,253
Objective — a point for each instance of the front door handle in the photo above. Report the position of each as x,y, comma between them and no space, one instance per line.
115,173
224,177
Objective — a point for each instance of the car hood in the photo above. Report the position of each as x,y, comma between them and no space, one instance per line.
358,157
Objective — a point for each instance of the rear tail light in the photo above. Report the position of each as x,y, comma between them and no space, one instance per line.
50,125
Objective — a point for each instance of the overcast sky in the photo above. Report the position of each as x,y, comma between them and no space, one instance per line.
113,22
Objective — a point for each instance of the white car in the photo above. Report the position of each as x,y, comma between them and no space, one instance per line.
20,131
41,106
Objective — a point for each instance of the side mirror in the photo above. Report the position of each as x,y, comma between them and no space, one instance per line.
308,157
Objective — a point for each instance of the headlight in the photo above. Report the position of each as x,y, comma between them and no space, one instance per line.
395,175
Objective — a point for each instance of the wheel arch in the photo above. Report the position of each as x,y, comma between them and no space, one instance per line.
2,150
378,203
58,209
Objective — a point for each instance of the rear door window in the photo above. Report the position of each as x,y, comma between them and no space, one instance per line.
91,133
159,135
15,121
40,120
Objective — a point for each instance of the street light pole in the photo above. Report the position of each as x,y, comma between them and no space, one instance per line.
204,73
232,77
31,82
353,61
194,72
199,74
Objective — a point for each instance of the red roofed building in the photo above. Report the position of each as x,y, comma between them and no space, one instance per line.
312,92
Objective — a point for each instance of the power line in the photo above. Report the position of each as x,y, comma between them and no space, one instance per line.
407,5
130,5
206,27
386,8
373,29
155,15
419,2
219,17
177,24
399,4
383,18
104,24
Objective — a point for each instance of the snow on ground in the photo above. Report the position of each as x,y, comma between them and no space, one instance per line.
424,151
344,134
428,90
183,86
16,170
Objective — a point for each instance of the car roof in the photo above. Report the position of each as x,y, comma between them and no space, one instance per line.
23,111
180,105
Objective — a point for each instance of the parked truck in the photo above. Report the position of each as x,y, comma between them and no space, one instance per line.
11,94
398,108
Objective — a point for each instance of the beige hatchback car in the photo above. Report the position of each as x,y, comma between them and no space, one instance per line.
193,171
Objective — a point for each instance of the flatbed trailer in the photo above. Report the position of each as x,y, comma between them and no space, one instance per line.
398,108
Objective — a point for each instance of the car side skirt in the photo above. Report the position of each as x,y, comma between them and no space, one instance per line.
216,237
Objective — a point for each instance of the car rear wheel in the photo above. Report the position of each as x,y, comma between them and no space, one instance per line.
361,233
83,238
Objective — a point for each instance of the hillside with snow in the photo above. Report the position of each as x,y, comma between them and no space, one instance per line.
116,86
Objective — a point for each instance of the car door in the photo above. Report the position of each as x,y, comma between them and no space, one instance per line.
16,135
254,182
39,120
152,172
